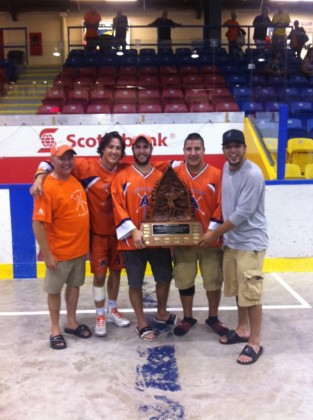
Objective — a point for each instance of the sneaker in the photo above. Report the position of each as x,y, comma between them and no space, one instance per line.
184,326
117,318
101,326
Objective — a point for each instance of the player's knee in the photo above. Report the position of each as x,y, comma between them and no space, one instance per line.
187,292
98,293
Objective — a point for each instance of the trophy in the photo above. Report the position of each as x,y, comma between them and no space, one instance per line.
171,221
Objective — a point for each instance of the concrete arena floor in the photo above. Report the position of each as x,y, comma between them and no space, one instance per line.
121,377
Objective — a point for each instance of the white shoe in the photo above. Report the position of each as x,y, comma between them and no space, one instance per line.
101,326
115,316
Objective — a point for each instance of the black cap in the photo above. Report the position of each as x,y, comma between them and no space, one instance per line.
235,136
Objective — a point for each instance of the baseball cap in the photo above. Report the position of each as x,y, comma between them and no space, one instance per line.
235,136
59,150
143,136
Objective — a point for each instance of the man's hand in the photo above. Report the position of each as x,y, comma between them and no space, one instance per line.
36,189
208,238
137,236
51,262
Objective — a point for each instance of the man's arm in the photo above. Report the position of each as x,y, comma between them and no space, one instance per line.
212,236
41,237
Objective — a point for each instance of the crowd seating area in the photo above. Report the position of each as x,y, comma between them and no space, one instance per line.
147,81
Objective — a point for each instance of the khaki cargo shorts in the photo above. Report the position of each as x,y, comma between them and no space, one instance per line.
243,275
186,260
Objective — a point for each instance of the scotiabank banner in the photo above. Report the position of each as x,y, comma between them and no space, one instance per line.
23,147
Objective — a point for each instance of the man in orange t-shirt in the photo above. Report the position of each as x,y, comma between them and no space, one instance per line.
61,228
92,20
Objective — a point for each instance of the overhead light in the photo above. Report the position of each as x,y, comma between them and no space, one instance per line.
113,1
56,52
120,52
194,54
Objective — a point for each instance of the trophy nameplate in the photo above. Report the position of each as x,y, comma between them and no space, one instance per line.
171,221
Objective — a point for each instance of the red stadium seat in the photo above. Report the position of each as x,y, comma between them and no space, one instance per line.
149,81
226,107
145,95
173,80
104,80
201,107
55,97
186,69
175,107
150,108
79,96
73,109
124,108
101,95
172,93
98,109
193,81
125,95
48,109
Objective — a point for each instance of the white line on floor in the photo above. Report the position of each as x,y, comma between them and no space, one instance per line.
303,305
282,282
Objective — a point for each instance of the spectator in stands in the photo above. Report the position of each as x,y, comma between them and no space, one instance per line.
120,24
307,63
261,23
275,66
164,26
233,34
91,22
298,38
280,21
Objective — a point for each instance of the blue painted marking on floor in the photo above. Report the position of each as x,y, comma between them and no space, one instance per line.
160,371
163,409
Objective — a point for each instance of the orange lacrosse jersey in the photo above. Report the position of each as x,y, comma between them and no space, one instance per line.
131,192
64,210
205,187
97,179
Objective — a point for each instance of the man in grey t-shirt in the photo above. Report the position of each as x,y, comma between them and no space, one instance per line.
245,242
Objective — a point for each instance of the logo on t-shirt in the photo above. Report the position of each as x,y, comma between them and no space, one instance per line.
81,204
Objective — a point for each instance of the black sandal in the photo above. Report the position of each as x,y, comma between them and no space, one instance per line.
57,342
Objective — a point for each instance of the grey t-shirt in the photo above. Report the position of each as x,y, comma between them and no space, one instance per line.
243,193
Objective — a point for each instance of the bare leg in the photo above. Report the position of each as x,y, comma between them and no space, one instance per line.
113,285
71,299
187,302
214,298
54,306
162,291
255,318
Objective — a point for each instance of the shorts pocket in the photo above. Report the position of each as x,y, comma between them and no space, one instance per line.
252,285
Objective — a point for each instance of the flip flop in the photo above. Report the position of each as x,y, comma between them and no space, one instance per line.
144,332
249,351
218,327
57,342
233,338
171,320
80,331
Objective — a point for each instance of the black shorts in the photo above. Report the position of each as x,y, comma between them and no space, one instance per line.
136,262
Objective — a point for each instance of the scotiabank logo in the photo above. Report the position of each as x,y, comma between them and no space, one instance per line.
47,139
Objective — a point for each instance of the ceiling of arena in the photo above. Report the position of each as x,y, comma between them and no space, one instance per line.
15,7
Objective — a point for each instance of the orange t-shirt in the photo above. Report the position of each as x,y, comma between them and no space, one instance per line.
64,210
97,179
233,30
205,188
131,193
92,20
